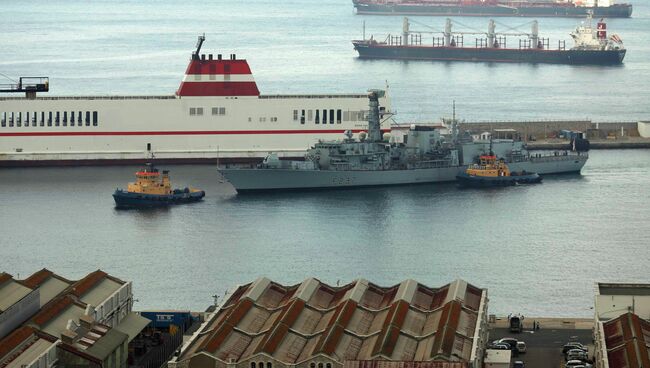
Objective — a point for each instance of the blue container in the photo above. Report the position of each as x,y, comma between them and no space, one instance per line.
164,319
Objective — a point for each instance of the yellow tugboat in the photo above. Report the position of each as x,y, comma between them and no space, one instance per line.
151,189
493,172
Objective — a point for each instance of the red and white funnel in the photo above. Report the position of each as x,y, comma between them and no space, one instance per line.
217,77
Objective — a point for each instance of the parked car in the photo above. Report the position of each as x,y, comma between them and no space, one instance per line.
501,347
574,364
518,364
573,345
510,341
577,354
521,347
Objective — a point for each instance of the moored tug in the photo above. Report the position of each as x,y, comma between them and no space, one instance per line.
493,172
151,189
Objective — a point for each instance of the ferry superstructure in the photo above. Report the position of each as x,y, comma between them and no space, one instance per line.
217,113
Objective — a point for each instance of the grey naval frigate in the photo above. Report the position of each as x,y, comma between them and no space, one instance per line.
374,159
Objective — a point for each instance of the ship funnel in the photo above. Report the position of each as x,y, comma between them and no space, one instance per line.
209,77
374,125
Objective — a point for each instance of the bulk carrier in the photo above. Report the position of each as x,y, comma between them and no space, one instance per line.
217,113
495,8
591,46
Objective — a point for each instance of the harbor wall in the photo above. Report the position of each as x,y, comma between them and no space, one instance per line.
549,129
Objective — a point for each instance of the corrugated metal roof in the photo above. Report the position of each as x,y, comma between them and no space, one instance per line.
11,292
627,340
357,321
98,292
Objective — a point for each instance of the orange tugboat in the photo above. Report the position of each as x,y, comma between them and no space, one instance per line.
493,172
151,189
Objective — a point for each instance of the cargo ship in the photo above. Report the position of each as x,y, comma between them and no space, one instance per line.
496,8
217,115
591,46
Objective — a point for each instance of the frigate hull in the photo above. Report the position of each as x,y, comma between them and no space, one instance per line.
251,180
259,180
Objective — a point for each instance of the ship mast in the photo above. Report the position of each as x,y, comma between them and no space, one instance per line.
374,129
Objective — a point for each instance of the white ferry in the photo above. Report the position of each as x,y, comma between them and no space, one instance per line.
217,113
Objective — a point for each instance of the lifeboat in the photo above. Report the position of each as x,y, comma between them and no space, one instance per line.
493,172
153,189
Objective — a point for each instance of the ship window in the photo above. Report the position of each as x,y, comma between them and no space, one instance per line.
262,120
49,118
199,111
65,118
222,111
317,120
95,122
250,119
295,115
19,119
192,111
11,120
338,116
27,119
42,118
332,116
79,118
34,119
324,116
346,115
71,118
4,119
310,115
87,118
302,117
57,119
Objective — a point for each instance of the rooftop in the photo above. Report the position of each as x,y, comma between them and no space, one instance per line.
623,289
627,339
11,291
22,346
355,322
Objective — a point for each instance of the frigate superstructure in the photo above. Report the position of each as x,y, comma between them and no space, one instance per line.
423,155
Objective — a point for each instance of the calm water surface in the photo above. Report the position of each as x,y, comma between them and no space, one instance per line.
539,249
303,46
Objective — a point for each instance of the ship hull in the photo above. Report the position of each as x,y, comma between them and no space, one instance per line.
127,129
614,11
125,199
575,57
265,180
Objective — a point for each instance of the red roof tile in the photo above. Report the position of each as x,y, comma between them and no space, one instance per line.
85,284
5,277
14,339
37,278
625,340
52,310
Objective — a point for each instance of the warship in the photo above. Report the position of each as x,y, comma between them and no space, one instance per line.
423,155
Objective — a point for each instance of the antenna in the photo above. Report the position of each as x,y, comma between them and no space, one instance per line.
453,106
199,43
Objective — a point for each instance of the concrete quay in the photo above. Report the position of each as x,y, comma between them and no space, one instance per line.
619,143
